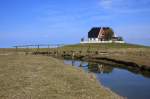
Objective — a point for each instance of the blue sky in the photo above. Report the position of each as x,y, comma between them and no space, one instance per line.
67,21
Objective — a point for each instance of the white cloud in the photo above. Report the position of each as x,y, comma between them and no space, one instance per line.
125,6
106,3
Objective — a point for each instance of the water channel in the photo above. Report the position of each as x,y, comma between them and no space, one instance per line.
122,81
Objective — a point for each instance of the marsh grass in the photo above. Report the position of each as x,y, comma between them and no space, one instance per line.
42,77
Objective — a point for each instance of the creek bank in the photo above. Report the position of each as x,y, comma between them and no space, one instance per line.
104,58
114,62
120,61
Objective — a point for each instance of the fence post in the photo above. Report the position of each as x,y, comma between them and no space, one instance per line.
38,47
27,50
16,48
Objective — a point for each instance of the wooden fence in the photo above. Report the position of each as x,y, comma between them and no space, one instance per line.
26,48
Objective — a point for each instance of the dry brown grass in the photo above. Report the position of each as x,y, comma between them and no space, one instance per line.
123,52
140,56
41,77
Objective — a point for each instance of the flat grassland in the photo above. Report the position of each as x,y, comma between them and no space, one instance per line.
42,77
122,52
137,54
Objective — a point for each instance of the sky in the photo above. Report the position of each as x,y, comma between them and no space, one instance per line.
24,22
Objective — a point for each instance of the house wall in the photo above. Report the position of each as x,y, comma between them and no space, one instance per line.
101,35
93,41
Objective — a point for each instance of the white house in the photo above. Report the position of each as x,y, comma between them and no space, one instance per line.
102,35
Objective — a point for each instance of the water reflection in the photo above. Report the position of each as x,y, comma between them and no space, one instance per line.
104,68
73,62
127,82
91,67
99,68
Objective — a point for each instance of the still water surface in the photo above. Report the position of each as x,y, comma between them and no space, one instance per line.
121,81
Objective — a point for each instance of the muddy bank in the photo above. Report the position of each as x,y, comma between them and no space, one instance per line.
126,64
129,61
119,62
